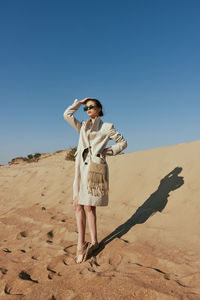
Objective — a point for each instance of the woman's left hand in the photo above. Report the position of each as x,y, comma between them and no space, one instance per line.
104,153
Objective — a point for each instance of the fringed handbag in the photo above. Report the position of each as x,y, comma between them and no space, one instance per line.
97,179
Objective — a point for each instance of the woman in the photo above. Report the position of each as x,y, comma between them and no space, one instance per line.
89,190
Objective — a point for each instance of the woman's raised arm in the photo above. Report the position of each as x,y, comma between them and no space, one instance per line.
69,114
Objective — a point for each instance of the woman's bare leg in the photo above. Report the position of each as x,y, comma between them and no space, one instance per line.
91,215
81,224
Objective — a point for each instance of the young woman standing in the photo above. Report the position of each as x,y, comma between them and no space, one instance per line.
91,180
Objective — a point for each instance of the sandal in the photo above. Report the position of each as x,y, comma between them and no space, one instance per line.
83,251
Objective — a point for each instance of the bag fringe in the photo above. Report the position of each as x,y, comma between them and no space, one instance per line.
97,179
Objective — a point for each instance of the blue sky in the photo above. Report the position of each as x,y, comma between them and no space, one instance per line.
139,58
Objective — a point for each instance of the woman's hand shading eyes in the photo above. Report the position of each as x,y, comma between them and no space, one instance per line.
84,100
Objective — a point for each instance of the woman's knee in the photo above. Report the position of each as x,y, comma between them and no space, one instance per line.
91,209
77,207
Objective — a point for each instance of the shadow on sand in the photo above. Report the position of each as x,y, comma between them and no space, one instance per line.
156,202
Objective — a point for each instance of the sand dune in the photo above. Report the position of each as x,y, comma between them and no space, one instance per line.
149,233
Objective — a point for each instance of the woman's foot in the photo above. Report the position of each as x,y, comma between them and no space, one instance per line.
81,253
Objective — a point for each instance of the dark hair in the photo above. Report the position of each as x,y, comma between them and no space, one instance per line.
98,104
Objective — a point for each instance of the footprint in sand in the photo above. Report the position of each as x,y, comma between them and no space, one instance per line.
58,271
70,249
52,272
7,250
115,260
22,234
34,257
25,276
56,268
89,272
8,289
23,251
49,241
69,259
3,271
50,234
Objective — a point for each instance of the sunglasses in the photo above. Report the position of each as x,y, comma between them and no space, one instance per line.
89,107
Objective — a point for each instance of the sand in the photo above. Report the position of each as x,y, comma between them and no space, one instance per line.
149,233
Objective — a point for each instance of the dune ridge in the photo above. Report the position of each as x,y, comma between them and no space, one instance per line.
149,233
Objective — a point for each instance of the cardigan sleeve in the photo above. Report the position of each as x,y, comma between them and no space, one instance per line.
121,143
69,115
